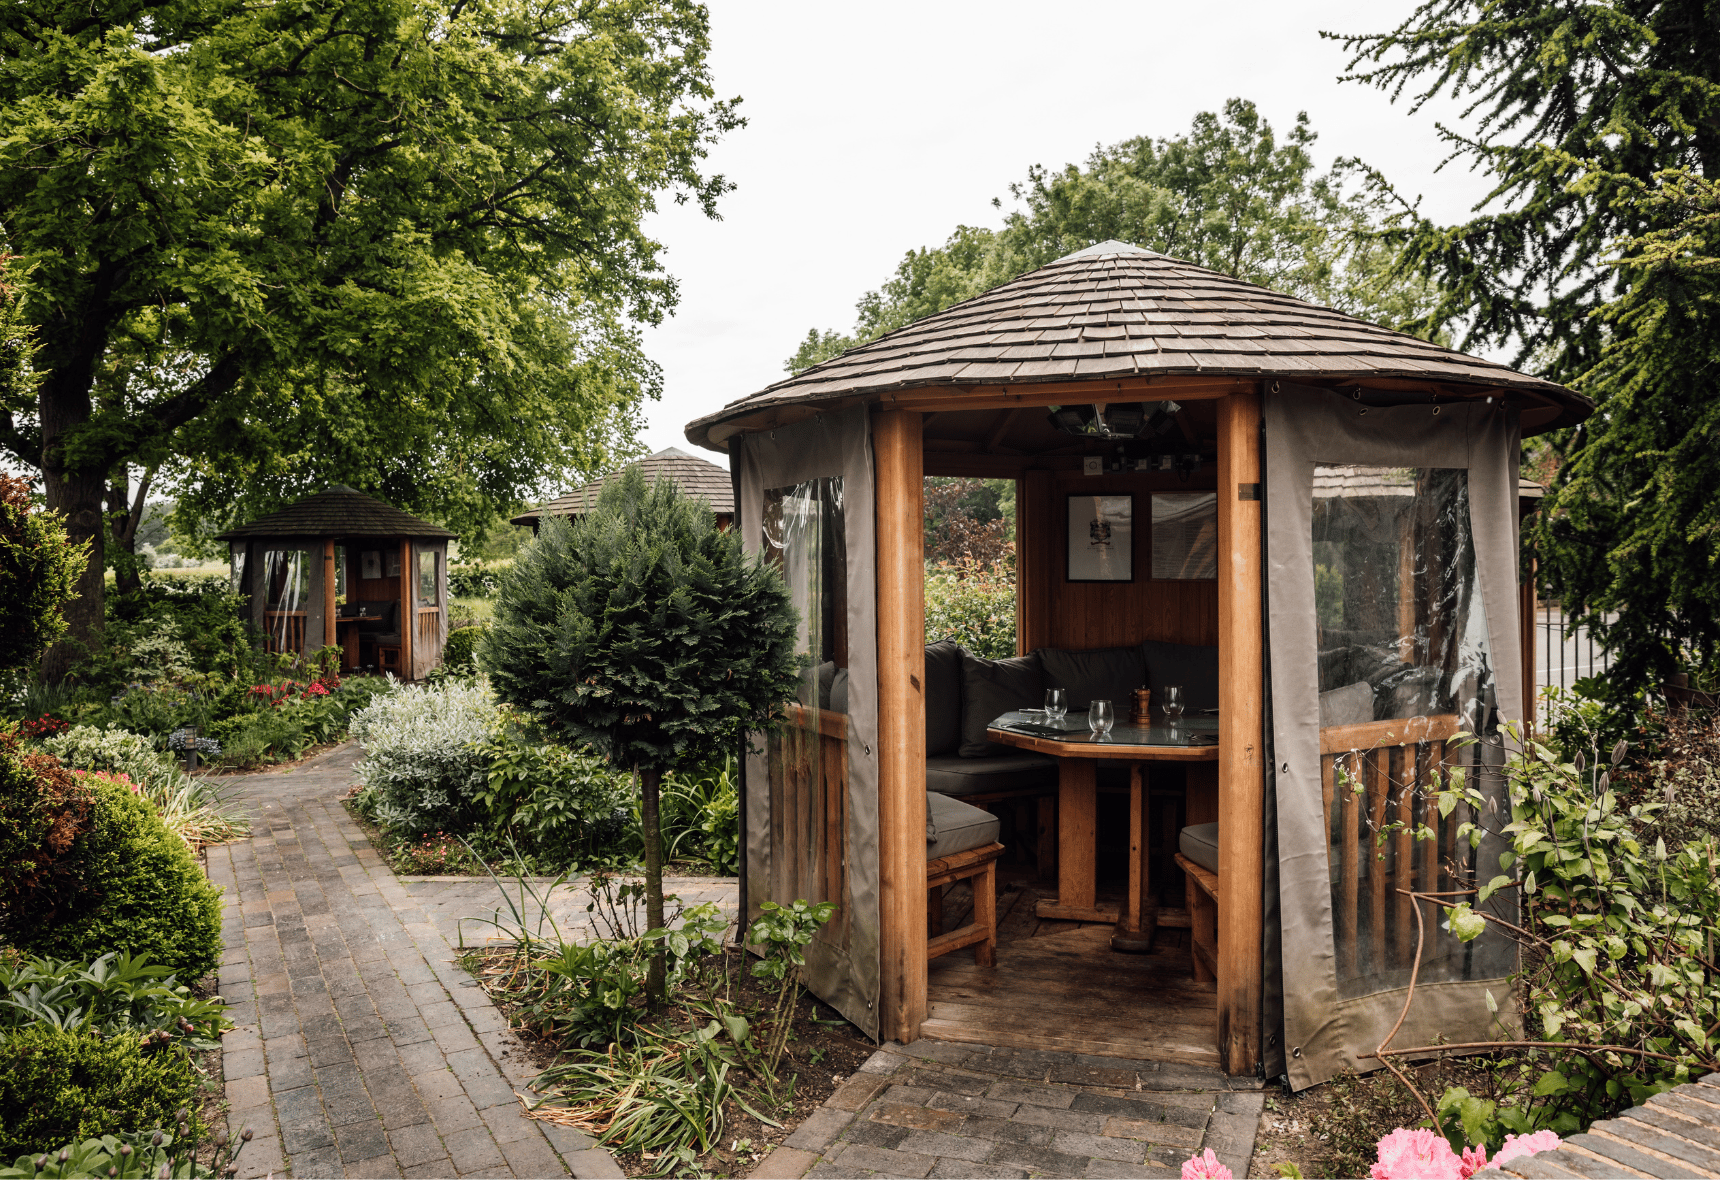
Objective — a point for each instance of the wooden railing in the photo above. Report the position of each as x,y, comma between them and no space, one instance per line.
284,624
809,813
1394,762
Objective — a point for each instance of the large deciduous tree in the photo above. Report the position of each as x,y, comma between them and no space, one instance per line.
646,634
1230,194
393,242
1593,259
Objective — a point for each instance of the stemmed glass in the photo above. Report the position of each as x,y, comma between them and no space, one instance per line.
1100,718
1056,704
1173,701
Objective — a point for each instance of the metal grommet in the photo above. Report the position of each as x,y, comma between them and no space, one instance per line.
1436,411
1285,769
1296,1052
1364,411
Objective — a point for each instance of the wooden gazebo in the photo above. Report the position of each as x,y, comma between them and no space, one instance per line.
341,568
1356,493
698,478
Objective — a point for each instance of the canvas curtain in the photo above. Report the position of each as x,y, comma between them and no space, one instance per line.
1393,483
805,499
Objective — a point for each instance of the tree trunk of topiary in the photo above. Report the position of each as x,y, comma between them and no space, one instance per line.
656,976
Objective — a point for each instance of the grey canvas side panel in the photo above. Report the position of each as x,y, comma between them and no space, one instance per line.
1325,1031
837,444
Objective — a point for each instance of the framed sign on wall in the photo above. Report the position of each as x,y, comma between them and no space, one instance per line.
1101,538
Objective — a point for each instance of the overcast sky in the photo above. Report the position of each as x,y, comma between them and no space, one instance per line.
878,128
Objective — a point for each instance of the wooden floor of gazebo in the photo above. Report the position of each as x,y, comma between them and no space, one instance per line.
1058,985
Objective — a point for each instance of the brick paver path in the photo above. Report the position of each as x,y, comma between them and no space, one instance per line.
361,1048
934,1108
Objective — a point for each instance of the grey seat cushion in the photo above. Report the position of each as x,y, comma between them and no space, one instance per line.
1352,704
832,687
953,826
951,775
1104,674
991,688
1193,666
1200,844
943,697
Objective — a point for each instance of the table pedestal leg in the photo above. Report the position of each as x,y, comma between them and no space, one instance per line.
1140,917
1078,834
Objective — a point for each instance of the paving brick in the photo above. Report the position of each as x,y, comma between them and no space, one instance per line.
947,1080
508,1125
374,1169
1039,1159
1006,1131
856,1092
303,1125
958,1169
785,1163
531,1157
489,1090
1099,1146
1117,1170
1139,1108
247,1063
937,1143
854,1156
916,1118
436,1085
1012,1091
473,1150
819,1130
566,1140
1154,1132
319,1161
361,1140
454,1113
593,1164
968,1104
262,1157
455,1038
946,1052
417,1144
471,1063
248,1093
438,1169
327,1051
1060,1120
873,1134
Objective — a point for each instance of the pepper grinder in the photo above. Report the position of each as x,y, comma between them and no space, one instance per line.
1143,707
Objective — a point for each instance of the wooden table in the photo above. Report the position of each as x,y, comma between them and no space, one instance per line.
1078,754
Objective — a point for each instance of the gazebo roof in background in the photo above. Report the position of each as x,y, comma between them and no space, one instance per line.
338,512
1115,311
698,478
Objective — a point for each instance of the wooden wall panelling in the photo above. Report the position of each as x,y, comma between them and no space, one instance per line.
1034,538
900,565
408,602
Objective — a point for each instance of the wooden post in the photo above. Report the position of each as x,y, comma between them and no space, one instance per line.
1241,711
408,609
900,565
328,594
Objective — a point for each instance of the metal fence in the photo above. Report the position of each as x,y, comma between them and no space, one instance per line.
1565,651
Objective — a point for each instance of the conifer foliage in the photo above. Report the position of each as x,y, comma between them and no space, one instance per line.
644,633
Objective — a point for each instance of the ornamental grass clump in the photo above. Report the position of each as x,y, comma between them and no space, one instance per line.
646,634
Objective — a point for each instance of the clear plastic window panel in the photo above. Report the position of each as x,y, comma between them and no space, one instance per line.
287,582
1404,667
804,537
427,577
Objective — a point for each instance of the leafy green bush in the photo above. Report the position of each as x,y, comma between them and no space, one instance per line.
457,652
565,807
130,1155
39,568
973,605
57,1085
44,812
84,747
423,768
196,809
116,994
701,817
476,579
144,893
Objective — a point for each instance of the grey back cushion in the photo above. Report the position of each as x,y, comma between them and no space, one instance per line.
1105,674
1193,666
943,697
991,688
1352,704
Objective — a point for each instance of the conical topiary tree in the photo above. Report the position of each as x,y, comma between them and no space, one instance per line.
642,631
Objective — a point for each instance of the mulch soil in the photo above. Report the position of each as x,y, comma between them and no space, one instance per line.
823,1051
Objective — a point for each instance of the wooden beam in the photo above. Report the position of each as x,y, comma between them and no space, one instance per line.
328,593
900,565
1241,769
408,610
1004,422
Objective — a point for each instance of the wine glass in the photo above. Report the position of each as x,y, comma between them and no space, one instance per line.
1056,704
1100,718
1173,702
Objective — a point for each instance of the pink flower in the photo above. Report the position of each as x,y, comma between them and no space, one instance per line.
1205,1167
1474,1159
1416,1155
1518,1145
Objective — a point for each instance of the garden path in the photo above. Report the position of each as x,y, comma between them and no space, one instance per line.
362,1049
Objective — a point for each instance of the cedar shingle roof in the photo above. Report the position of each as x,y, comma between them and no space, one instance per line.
338,512
698,478
1114,310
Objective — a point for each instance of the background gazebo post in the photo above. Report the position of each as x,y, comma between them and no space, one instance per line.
901,571
1241,708
329,579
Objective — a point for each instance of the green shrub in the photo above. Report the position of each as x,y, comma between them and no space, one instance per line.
145,893
423,770
44,813
84,747
39,567
58,1086
113,995
564,807
701,817
457,652
974,605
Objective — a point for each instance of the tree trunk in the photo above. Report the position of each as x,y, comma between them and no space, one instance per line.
63,404
656,978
